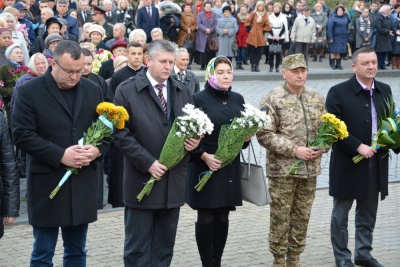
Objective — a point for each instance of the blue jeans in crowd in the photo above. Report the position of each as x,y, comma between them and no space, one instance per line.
241,55
74,238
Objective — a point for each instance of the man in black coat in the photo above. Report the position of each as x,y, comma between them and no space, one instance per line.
181,73
383,46
151,224
357,102
50,115
135,60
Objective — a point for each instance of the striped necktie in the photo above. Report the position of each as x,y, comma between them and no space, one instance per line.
160,87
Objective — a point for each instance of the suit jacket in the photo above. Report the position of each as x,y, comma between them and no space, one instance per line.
352,104
190,80
113,19
145,23
143,138
80,17
44,126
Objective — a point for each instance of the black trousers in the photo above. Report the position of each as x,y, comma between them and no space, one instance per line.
150,237
255,54
365,218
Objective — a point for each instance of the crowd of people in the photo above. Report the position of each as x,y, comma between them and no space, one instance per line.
59,60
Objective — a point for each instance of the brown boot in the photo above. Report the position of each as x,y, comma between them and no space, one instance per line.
279,261
293,260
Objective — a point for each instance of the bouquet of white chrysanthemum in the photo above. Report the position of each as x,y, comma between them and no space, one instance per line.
193,123
100,57
231,137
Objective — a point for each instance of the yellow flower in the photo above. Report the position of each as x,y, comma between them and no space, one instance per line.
121,115
105,107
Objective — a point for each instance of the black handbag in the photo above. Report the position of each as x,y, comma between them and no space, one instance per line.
275,49
320,43
188,44
254,186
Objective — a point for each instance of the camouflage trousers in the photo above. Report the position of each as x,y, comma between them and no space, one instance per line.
290,211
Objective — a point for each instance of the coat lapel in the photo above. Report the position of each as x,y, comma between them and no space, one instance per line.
80,91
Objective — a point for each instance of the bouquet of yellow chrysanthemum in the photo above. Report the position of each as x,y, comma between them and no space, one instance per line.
100,56
110,116
330,130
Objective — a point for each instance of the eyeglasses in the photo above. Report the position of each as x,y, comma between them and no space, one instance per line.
69,72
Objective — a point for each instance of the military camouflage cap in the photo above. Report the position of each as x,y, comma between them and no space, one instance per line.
294,61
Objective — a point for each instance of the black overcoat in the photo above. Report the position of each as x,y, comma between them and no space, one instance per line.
352,104
143,138
383,26
43,126
223,189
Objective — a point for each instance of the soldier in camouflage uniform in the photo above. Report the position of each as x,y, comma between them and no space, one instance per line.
295,112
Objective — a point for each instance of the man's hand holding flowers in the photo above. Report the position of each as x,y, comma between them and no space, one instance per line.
212,163
77,156
366,151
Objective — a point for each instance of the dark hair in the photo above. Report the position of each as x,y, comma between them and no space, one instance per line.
207,3
362,50
226,8
133,44
68,47
221,60
86,52
340,7
396,6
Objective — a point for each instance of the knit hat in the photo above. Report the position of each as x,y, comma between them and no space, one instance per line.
97,28
119,60
10,49
118,43
52,38
52,20
3,30
226,8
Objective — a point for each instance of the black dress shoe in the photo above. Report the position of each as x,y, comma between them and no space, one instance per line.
344,263
368,263
277,69
270,69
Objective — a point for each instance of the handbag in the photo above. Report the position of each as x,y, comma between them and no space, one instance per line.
367,44
254,186
212,42
275,49
188,44
234,45
320,43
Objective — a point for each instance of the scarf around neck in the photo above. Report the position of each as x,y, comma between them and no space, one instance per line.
365,25
242,18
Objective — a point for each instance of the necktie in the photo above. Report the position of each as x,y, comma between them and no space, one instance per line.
159,87
180,75
148,11
84,16
109,14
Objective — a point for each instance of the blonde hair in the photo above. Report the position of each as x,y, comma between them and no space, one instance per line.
277,4
317,4
3,23
258,4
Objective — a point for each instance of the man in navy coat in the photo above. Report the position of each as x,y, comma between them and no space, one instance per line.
148,18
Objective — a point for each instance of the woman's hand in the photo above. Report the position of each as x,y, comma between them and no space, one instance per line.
208,31
191,143
211,161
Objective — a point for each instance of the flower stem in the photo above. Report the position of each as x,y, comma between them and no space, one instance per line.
357,159
54,192
146,189
203,181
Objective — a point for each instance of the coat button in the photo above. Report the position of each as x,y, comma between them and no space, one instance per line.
367,105
74,129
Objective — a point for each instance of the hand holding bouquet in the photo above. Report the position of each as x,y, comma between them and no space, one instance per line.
192,124
109,116
231,137
330,130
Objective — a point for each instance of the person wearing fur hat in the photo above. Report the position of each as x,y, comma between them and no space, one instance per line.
52,26
51,43
117,49
96,35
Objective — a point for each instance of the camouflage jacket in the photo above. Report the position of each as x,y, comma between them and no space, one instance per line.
295,119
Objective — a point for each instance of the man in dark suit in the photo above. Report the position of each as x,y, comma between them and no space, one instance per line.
181,72
47,124
153,100
111,16
148,18
357,102
83,13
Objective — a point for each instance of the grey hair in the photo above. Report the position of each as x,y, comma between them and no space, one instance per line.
67,47
137,32
109,1
181,50
8,16
156,30
32,65
48,10
61,2
121,26
161,46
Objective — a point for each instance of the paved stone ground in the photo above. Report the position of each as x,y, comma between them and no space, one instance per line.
247,242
